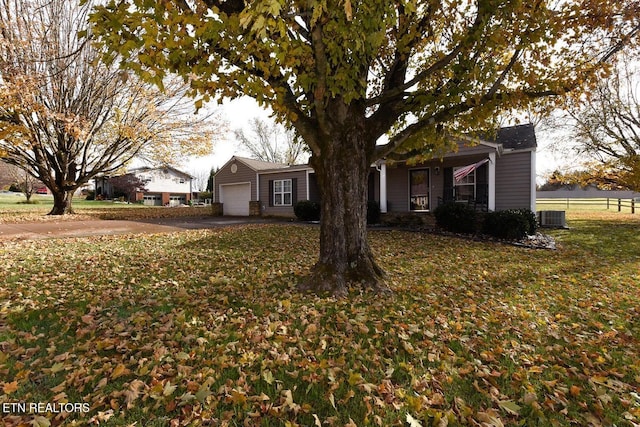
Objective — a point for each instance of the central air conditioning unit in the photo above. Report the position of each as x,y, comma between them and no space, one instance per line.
552,219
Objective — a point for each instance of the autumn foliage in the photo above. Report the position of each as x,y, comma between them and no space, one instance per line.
206,327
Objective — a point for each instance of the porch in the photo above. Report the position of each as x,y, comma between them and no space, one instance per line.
422,187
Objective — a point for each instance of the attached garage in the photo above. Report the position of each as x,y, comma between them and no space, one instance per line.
177,200
235,199
153,200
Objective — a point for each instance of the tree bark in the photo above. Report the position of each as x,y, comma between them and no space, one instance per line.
62,203
346,259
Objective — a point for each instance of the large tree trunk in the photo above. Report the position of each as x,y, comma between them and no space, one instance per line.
61,202
345,256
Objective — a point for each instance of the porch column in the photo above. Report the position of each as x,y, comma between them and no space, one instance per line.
383,188
491,203
533,180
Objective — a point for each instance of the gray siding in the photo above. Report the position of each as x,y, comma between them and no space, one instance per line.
314,191
301,191
513,181
243,174
398,181
397,189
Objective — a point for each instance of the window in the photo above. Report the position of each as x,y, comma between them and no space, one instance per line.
465,189
282,192
419,189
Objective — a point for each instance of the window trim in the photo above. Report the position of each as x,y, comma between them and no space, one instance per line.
428,195
282,193
456,185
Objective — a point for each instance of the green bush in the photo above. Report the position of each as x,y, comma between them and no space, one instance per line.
373,212
530,216
456,218
306,210
511,224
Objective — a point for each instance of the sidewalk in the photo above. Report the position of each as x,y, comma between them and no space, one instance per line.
84,228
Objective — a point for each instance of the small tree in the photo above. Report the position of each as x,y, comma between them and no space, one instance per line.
21,180
127,186
65,116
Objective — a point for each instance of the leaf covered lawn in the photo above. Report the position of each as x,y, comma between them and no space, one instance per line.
206,328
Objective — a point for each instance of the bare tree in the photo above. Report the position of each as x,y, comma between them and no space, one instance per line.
200,178
605,123
20,178
272,142
66,116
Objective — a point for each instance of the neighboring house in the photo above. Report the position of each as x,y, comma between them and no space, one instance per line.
491,175
166,186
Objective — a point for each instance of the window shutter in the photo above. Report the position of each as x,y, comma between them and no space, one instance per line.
294,191
271,192
447,175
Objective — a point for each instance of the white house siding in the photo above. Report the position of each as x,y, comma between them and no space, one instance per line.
513,181
165,181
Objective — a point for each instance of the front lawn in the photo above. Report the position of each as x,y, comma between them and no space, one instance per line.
206,328
13,210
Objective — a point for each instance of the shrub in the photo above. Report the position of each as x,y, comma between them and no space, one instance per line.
456,217
306,210
530,216
373,212
512,224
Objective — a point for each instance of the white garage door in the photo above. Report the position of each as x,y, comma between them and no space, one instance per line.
152,200
235,199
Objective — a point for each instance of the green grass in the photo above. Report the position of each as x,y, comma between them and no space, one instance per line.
206,328
12,210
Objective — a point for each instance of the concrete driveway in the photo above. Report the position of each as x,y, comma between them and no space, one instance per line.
83,228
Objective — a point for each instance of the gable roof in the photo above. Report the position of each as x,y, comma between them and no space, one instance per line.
520,137
165,167
256,165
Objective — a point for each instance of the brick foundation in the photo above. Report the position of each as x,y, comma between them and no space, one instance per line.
255,209
216,209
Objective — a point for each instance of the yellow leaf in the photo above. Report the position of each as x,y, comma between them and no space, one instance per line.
332,400
355,378
40,421
348,10
267,376
168,389
119,371
9,388
57,367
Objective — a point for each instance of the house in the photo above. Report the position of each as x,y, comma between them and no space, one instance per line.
165,186
491,174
